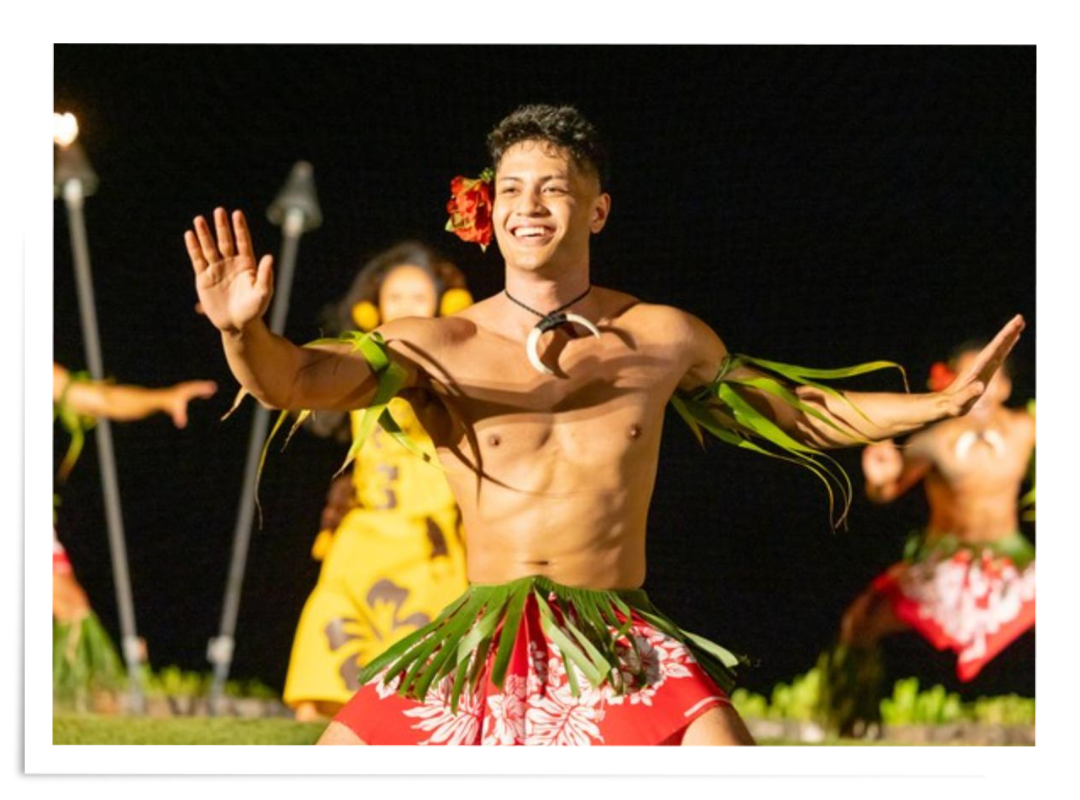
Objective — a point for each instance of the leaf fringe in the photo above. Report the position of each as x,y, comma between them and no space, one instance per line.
391,377
723,410
474,639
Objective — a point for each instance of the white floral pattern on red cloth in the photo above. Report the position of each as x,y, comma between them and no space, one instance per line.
974,604
446,727
536,705
647,663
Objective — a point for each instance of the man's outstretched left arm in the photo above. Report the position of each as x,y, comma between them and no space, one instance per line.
816,415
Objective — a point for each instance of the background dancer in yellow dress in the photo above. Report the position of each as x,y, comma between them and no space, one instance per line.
390,539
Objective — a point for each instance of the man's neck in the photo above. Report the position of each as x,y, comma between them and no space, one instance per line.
981,416
545,293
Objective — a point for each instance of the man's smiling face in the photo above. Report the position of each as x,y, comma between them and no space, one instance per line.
545,207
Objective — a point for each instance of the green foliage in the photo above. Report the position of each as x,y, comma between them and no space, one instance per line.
174,682
907,705
1008,710
797,701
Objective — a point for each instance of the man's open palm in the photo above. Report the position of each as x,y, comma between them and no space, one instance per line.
968,387
233,289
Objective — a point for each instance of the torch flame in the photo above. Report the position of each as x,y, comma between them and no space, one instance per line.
65,128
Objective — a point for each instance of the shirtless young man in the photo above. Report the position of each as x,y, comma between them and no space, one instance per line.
968,581
553,473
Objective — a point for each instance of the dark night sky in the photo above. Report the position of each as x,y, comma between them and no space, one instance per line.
820,205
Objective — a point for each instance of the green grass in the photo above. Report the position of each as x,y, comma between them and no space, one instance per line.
96,729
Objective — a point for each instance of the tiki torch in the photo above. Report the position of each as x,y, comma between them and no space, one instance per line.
296,210
74,180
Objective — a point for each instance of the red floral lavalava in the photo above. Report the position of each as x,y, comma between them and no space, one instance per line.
941,376
974,602
469,208
666,690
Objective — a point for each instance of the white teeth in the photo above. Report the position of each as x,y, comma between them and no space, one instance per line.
530,231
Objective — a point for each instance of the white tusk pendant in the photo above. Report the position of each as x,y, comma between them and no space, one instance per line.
546,324
577,319
530,350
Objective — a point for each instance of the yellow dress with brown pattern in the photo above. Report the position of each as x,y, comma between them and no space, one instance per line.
395,561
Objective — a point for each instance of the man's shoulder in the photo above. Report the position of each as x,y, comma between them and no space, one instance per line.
1022,420
657,320
927,443
428,331
425,343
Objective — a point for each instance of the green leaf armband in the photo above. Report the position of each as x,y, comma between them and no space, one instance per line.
73,422
391,377
722,409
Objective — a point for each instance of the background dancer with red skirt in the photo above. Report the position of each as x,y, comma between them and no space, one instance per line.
967,581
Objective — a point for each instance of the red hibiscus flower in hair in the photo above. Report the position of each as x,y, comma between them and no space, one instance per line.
470,208
941,376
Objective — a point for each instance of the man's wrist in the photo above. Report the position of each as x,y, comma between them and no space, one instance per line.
161,399
938,407
243,332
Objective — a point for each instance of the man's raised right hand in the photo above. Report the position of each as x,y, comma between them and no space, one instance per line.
233,290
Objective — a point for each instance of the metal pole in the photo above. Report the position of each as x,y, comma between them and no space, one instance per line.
297,210
73,198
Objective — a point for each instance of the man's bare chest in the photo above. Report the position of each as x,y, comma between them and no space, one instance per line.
988,455
604,403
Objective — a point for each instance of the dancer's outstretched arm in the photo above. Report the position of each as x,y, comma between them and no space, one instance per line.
125,402
884,414
234,293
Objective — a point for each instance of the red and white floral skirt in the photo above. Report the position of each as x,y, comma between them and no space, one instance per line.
975,600
61,564
663,689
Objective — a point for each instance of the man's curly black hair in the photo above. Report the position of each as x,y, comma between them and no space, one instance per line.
562,126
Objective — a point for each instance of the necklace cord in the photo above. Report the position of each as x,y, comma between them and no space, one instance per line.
550,314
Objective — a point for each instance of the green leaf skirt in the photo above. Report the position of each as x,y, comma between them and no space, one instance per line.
474,637
84,661
924,544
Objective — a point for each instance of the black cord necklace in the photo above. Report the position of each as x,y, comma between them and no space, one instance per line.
552,319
